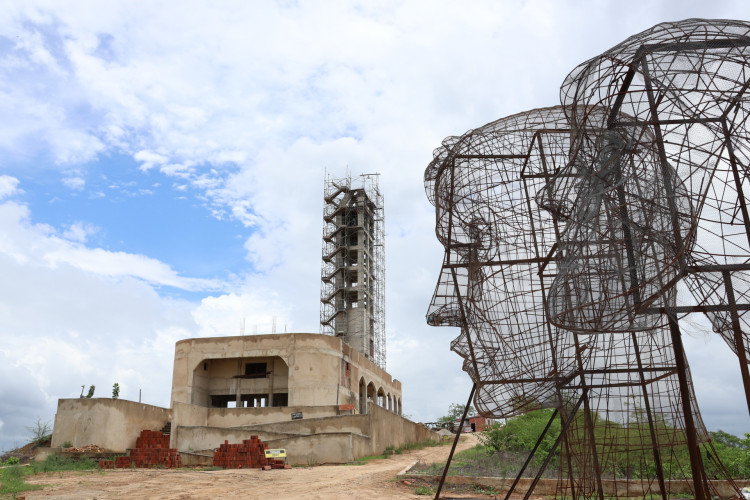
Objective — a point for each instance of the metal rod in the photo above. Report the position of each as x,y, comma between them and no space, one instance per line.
647,404
563,431
455,441
695,459
531,455
738,340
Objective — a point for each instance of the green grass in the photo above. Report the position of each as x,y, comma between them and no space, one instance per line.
481,460
12,480
423,490
55,463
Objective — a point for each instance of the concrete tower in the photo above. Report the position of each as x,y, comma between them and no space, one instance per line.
352,296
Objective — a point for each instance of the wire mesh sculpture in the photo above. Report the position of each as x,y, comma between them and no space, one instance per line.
499,264
678,92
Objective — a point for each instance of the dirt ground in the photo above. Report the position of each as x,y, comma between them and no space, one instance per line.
373,481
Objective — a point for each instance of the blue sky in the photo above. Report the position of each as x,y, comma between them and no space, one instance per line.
162,166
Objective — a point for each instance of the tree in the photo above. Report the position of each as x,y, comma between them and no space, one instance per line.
40,431
116,391
90,394
455,412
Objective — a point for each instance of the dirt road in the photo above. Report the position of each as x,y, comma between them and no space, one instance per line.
373,481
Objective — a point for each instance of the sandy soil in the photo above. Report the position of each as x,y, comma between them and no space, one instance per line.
373,481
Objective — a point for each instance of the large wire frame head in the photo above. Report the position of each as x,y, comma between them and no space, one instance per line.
678,93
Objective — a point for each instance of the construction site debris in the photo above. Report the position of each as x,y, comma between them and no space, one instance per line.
151,450
248,455
87,448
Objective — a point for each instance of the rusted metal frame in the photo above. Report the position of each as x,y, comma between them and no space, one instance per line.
628,236
647,403
534,229
622,384
718,268
692,309
587,417
737,180
735,101
722,43
489,157
737,330
690,433
538,137
670,121
542,154
563,431
455,441
664,164
496,262
531,455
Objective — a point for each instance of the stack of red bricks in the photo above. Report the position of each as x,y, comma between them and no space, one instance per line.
248,455
151,450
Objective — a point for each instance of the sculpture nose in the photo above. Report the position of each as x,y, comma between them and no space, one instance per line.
445,309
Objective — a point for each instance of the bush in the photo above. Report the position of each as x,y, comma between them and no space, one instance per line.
520,434
12,461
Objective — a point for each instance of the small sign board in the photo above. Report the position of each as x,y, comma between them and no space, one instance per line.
297,415
280,453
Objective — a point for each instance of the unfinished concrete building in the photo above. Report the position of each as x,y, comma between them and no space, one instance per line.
352,297
310,394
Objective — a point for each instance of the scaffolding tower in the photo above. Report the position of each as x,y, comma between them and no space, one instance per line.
352,292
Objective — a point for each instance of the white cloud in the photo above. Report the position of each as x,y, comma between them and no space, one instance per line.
8,186
38,245
79,232
74,183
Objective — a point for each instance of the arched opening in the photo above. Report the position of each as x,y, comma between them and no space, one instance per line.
371,393
248,382
390,404
381,398
399,406
362,396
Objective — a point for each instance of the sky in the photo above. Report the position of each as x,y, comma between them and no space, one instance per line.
162,167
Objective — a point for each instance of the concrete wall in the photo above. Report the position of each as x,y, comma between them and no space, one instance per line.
388,429
330,439
234,417
113,424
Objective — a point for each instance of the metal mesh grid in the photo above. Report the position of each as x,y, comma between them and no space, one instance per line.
499,263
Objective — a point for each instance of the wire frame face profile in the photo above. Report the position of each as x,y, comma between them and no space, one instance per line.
496,238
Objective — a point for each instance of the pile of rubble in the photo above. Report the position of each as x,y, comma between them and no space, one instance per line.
87,448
